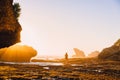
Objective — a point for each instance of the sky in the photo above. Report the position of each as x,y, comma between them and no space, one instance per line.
54,27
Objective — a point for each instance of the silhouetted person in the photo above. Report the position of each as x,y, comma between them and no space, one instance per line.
66,56
66,62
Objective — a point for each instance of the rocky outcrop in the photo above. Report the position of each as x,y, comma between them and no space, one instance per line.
111,53
78,53
9,27
10,35
17,53
94,54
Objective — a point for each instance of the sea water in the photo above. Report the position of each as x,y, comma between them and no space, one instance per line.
37,63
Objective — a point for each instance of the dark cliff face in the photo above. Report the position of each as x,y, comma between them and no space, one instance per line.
111,53
9,27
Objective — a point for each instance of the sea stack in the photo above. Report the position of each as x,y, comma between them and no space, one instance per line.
9,26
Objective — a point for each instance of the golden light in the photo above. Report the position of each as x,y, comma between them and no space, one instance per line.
17,53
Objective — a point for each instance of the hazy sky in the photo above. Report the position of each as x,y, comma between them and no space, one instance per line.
54,27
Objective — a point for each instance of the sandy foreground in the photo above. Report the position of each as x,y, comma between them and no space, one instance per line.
60,72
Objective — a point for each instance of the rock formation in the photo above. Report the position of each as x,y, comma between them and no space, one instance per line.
111,53
9,27
17,53
94,54
78,53
10,35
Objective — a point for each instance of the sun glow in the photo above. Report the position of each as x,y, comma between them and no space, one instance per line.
18,53
28,38
55,29
22,44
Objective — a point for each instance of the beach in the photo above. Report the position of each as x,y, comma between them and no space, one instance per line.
60,71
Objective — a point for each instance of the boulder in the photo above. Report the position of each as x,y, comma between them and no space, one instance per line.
17,53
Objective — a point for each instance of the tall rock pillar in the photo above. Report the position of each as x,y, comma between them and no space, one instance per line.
9,26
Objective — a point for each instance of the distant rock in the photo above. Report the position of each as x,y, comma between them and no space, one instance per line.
17,53
78,53
111,53
94,54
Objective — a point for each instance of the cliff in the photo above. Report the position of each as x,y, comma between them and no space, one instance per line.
9,26
111,53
